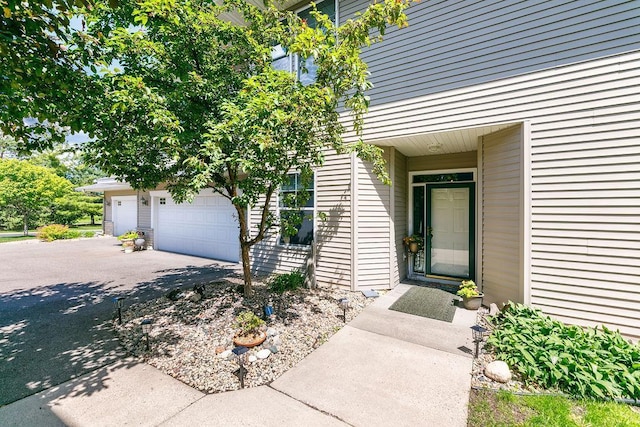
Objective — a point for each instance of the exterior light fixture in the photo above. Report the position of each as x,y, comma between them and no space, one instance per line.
144,201
146,328
478,334
118,302
241,356
107,202
343,303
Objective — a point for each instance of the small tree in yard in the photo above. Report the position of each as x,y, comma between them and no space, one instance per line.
29,190
73,206
197,103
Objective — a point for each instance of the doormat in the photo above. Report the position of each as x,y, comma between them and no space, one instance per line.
427,302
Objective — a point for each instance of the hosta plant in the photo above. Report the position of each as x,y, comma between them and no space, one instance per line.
584,362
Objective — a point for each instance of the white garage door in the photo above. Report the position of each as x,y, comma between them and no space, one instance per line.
124,213
207,227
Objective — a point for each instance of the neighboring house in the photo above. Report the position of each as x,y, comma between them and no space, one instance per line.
512,134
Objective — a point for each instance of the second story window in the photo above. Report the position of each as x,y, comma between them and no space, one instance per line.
296,208
281,60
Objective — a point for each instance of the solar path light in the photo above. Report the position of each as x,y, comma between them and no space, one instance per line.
146,328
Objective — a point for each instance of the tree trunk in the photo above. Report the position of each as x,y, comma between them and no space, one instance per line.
244,247
25,228
246,269
93,219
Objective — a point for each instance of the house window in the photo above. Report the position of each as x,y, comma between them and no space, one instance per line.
119,203
281,60
296,209
163,201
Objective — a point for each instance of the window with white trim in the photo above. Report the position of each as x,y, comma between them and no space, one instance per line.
298,216
281,60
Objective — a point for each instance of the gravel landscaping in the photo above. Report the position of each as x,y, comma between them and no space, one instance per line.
191,338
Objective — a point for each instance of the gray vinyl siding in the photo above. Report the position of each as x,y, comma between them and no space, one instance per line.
585,259
584,142
333,234
452,44
144,211
268,256
374,222
401,226
333,184
501,216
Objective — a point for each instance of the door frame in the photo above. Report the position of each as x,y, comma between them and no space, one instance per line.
472,217
471,185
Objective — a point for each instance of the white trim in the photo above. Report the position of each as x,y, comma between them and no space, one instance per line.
392,216
354,222
479,212
525,208
124,198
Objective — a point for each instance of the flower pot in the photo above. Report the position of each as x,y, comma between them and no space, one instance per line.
472,303
413,247
249,340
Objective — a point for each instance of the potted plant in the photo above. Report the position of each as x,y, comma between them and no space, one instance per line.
250,333
471,296
415,243
127,240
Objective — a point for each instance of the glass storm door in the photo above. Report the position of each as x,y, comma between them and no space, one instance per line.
450,233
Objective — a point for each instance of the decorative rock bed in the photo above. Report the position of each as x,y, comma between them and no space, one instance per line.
191,336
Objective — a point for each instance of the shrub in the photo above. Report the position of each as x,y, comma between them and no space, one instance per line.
589,362
52,232
89,234
133,234
248,323
281,283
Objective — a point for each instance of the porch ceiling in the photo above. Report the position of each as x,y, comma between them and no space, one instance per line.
445,142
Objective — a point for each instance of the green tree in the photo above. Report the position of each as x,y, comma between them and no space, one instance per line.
29,190
68,161
8,146
73,206
196,103
40,72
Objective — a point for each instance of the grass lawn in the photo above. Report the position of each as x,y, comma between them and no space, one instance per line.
4,239
12,236
488,408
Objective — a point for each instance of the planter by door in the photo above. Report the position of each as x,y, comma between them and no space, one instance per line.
472,303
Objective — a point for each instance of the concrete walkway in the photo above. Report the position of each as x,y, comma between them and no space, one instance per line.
383,368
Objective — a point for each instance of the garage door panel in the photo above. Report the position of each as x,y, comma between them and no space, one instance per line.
206,227
124,215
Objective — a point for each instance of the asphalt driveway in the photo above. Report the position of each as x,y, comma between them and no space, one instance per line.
56,302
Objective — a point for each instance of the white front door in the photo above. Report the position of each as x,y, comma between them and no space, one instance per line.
450,231
124,213
206,227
